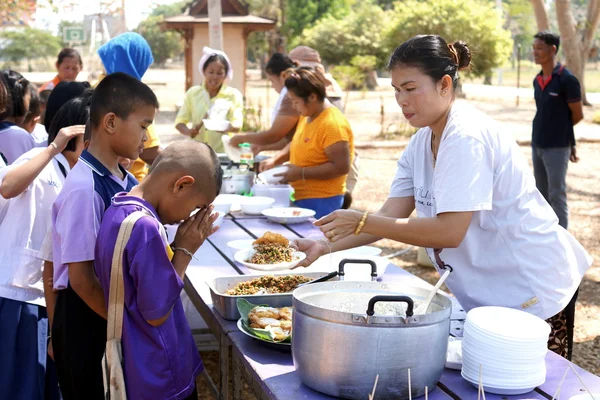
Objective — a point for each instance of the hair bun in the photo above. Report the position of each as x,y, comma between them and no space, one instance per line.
463,53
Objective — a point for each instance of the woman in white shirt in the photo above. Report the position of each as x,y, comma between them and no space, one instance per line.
475,196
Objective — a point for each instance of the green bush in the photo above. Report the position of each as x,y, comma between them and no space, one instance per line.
476,22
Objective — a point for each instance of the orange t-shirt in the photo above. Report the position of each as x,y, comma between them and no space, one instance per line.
308,150
50,85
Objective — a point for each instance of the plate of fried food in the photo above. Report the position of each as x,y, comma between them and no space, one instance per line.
271,252
268,324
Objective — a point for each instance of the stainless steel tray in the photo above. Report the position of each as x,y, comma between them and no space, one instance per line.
226,304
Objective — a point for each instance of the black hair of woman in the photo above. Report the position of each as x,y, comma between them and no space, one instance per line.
219,58
74,112
18,88
304,81
279,63
4,96
433,56
68,52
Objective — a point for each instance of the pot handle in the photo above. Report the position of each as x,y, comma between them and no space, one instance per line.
403,299
343,263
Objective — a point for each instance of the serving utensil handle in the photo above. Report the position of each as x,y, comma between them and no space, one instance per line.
401,299
343,263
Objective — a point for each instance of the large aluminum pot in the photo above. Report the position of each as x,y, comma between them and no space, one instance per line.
345,333
236,181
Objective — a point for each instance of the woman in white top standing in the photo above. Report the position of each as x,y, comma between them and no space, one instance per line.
477,205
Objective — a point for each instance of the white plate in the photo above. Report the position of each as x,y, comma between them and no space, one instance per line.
289,215
508,323
232,200
281,345
269,175
243,255
215,125
233,153
500,391
454,354
256,205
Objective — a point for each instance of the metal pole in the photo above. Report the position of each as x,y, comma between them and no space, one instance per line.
215,27
518,72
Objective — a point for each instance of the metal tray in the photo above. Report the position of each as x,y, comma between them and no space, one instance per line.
226,304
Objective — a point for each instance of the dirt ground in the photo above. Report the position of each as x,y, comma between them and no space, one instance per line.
377,169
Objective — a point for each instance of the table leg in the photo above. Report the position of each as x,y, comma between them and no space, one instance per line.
237,376
225,366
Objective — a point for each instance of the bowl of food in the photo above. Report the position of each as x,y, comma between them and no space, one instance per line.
272,252
289,215
216,125
270,176
256,205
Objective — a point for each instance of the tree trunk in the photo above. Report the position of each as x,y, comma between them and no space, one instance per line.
570,42
541,16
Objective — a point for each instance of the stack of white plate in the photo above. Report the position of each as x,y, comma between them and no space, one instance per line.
509,346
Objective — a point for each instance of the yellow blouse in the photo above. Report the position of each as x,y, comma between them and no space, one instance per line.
196,104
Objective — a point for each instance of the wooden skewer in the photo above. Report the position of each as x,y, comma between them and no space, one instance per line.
426,394
409,386
560,384
372,395
582,382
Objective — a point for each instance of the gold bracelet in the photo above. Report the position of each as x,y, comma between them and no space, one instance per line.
362,223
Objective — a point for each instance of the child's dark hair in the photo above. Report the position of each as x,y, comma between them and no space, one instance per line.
219,58
304,81
62,93
35,104
74,112
548,37
44,96
217,170
433,56
279,63
17,87
120,94
68,52
4,96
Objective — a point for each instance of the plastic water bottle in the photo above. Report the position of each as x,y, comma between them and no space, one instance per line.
246,157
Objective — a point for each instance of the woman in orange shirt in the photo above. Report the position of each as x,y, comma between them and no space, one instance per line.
68,66
323,146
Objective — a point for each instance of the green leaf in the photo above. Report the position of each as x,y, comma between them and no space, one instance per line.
244,308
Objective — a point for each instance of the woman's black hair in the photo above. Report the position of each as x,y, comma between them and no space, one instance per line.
4,95
279,63
433,56
62,93
304,81
74,112
35,104
219,58
68,52
17,87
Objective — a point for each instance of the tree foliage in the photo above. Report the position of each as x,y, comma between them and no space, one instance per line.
301,14
164,45
360,33
476,22
28,44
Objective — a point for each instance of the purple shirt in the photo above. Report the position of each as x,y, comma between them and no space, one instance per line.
78,210
14,141
158,362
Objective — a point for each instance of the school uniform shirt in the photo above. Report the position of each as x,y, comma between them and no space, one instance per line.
78,210
14,141
228,105
40,136
308,150
23,228
514,253
159,362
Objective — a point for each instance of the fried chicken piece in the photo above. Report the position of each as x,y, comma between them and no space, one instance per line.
263,323
264,312
279,333
285,324
286,313
272,238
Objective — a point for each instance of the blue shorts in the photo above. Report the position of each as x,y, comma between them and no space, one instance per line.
322,207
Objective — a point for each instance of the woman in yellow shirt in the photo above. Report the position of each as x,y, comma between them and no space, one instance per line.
322,149
213,99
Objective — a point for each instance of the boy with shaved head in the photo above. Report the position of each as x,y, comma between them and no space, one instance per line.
160,360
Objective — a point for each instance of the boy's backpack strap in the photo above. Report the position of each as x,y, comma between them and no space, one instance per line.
117,291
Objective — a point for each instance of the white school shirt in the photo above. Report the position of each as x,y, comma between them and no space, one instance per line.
14,141
277,106
514,253
23,229
40,136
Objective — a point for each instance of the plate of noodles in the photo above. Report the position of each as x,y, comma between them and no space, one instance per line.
271,252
